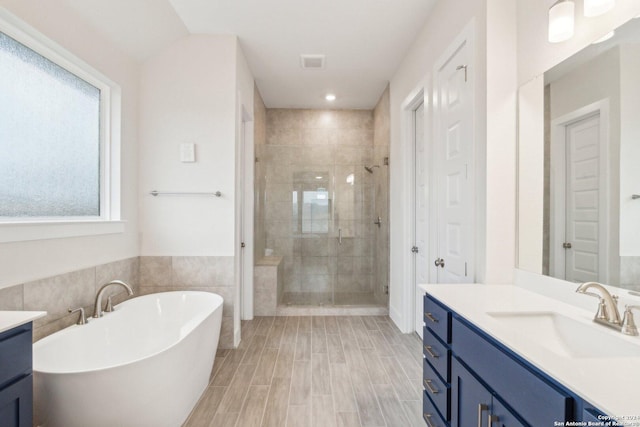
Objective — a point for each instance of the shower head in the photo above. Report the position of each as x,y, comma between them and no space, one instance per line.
370,168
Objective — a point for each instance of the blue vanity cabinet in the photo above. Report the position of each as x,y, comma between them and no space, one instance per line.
16,378
470,379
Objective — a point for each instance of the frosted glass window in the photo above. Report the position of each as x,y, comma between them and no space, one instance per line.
49,137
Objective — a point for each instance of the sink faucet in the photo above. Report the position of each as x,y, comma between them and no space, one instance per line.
97,308
607,313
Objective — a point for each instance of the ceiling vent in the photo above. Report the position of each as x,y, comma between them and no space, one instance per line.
312,62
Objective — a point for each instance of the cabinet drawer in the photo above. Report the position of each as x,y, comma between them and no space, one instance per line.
15,353
438,391
430,414
437,318
535,399
437,354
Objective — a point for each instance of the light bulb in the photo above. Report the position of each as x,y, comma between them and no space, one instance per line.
561,21
597,7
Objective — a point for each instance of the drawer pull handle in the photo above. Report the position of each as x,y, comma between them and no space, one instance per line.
427,418
492,419
481,408
429,350
430,387
430,317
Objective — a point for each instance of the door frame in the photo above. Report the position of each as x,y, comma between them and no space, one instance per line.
557,186
410,111
404,315
244,212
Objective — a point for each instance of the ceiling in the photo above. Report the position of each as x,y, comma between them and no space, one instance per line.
363,40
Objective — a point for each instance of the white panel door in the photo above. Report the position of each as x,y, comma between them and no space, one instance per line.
454,154
421,266
582,230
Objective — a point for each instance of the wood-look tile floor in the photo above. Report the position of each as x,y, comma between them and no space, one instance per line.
315,371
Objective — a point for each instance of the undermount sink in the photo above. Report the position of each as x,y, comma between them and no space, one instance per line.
567,337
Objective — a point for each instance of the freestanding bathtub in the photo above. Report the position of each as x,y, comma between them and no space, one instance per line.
145,364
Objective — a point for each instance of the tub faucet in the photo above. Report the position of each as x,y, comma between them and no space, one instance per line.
607,313
97,308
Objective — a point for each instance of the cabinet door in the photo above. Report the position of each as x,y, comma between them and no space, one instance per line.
471,401
502,417
16,404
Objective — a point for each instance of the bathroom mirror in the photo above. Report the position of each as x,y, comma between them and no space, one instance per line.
579,165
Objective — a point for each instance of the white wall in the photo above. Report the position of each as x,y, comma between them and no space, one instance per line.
25,261
188,94
497,253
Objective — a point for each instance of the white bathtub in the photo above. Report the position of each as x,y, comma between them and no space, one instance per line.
145,364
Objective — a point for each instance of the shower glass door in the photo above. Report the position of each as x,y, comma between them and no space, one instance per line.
332,225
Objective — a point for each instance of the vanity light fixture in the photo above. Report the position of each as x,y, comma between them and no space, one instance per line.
330,97
561,21
597,7
605,37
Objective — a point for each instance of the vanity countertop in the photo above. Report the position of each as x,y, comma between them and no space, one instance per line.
612,384
11,319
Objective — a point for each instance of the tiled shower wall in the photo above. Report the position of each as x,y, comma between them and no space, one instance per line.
146,275
315,186
381,139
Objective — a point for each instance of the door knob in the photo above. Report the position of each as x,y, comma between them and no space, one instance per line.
566,245
439,262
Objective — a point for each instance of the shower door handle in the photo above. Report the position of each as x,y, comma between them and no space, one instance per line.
339,236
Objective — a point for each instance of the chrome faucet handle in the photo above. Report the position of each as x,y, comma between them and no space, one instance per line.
108,308
628,324
82,320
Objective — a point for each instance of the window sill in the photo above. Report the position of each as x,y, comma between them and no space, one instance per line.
28,231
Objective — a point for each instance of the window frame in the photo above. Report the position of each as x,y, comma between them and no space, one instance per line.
109,221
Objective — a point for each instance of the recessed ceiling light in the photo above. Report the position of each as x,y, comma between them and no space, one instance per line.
330,97
605,37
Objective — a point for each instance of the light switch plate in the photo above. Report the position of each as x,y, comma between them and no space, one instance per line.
187,152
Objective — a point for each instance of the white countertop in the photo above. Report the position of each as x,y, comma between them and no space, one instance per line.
612,384
11,319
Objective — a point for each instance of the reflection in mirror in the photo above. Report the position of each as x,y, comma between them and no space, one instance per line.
590,221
